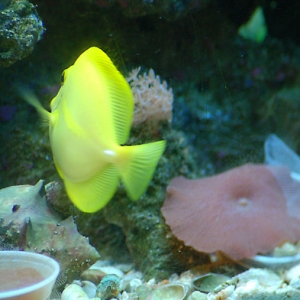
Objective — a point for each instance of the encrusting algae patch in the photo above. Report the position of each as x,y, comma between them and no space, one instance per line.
90,119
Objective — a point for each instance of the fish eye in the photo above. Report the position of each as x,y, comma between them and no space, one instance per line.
62,79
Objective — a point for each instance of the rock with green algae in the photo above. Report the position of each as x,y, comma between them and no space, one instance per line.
57,198
26,222
27,161
20,29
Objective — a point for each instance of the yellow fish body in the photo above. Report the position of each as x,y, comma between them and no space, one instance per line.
90,118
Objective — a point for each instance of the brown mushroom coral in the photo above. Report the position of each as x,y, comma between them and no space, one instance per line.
241,212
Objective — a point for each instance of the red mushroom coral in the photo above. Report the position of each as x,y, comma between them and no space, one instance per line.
241,212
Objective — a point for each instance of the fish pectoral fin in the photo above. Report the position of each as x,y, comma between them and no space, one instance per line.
139,164
30,98
93,194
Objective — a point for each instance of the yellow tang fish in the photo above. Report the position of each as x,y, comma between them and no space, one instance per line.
90,118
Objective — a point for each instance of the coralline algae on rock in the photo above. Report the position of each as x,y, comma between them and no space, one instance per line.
27,222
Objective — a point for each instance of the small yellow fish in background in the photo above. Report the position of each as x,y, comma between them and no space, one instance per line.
90,118
255,29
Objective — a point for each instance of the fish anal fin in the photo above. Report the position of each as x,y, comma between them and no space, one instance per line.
93,194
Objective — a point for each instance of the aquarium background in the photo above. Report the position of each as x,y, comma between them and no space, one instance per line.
230,93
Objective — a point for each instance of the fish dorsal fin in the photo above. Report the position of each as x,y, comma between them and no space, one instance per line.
118,89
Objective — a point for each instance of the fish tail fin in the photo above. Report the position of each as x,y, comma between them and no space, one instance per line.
31,98
138,165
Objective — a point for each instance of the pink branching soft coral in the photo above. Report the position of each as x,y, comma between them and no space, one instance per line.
241,212
152,97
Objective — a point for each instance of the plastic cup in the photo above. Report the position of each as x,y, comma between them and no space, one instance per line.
26,275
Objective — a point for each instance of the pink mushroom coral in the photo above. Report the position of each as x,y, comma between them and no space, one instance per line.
241,212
